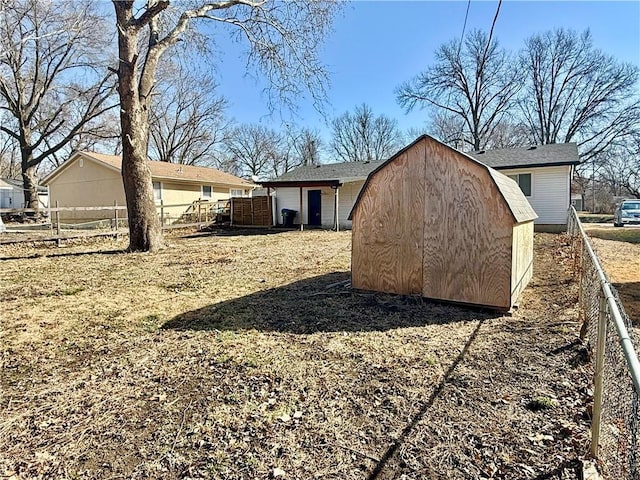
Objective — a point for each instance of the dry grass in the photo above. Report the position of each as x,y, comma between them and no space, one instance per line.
623,234
231,356
621,261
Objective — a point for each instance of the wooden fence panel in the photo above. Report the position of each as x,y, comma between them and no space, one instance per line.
254,211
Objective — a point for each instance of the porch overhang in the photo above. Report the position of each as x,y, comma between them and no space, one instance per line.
301,183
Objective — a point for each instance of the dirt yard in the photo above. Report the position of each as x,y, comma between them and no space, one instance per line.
243,356
621,261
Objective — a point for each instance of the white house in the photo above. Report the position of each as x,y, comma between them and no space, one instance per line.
544,173
12,194
324,195
321,195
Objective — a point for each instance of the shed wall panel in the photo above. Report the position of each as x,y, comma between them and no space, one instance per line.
467,232
522,259
387,243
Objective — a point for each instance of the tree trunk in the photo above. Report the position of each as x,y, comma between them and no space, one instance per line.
145,231
30,187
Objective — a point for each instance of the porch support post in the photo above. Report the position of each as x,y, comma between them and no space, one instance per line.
337,203
300,212
270,205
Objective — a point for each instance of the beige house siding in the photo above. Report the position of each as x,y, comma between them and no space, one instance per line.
182,193
86,184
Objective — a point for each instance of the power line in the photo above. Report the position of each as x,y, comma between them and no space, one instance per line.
464,27
495,18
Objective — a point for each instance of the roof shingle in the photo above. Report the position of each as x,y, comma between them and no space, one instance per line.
174,171
343,172
535,156
539,156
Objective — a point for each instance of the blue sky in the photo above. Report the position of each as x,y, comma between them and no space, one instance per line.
377,45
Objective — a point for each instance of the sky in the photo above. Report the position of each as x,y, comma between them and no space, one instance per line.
378,45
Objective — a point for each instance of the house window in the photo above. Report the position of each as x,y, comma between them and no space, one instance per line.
524,181
236,192
157,191
206,191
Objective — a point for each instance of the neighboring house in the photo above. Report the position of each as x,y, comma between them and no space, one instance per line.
543,172
577,202
12,194
321,195
90,179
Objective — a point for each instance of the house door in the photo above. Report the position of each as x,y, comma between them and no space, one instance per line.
314,204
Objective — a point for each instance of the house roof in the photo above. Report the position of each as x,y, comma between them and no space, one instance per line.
535,156
517,203
13,183
330,173
339,173
160,170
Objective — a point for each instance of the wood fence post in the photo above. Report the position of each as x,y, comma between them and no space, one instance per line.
598,376
115,217
161,214
57,224
57,219
199,212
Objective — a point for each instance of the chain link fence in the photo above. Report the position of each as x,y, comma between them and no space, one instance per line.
615,427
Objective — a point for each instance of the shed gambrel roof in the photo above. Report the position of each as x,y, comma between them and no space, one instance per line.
159,170
535,156
517,203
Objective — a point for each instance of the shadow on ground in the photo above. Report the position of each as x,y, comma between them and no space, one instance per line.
322,304
629,293
52,253
223,231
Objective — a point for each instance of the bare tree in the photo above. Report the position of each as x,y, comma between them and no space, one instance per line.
101,135
621,169
362,136
53,85
302,148
255,150
474,80
9,157
187,118
576,93
283,40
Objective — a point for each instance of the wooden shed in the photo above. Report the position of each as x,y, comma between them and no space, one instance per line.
435,222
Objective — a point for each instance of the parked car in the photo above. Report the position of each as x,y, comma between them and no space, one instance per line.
628,212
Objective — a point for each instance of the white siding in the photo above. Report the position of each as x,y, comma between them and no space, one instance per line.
549,192
289,197
348,196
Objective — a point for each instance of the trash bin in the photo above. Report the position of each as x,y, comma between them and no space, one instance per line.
288,216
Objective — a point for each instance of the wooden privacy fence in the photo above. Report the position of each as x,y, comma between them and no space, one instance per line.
255,211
